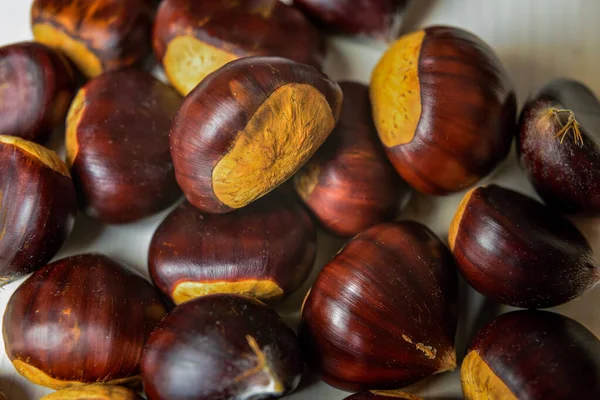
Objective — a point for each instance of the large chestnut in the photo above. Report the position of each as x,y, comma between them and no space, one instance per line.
221,347
559,146
118,145
383,395
383,313
444,108
249,127
194,38
532,355
82,319
93,392
517,251
97,35
265,250
37,85
349,184
37,206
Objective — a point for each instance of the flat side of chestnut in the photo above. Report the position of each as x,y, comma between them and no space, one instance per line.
277,113
559,146
93,392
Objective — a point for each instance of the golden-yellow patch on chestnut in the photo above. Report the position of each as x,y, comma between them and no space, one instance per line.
73,118
262,289
480,382
93,392
47,157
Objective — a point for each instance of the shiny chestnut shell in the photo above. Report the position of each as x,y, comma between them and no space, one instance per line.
37,85
383,313
444,107
82,319
221,347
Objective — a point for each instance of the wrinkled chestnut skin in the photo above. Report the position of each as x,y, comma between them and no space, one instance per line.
37,85
383,313
93,392
376,18
349,184
562,158
118,146
272,240
534,355
82,319
517,251
37,207
383,395
109,34
221,347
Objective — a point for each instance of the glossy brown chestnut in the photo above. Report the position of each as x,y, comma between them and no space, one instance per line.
383,395
194,38
37,206
444,108
559,146
517,251
383,313
249,127
349,184
221,347
82,319
93,392
37,85
97,35
118,145
377,18
532,355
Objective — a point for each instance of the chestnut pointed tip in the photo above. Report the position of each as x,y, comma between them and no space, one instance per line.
273,385
448,361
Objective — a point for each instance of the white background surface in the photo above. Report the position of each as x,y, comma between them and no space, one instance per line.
536,39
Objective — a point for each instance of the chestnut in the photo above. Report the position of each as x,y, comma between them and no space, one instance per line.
37,85
221,346
95,391
444,108
532,355
37,206
383,313
376,18
249,127
81,319
96,35
349,184
194,38
516,251
383,395
559,146
118,145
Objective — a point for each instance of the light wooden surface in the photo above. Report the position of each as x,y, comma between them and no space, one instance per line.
536,39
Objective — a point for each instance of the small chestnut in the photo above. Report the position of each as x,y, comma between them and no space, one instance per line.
82,319
383,313
532,355
37,206
118,145
194,38
97,35
444,108
249,127
221,347
383,395
349,184
37,85
93,392
517,251
559,146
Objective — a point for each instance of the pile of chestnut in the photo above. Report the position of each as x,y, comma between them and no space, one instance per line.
266,148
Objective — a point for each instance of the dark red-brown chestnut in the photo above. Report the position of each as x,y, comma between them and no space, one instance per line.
93,392
194,38
532,355
37,206
383,313
249,127
444,108
376,18
82,319
265,250
118,145
383,395
97,35
349,184
559,146
519,252
221,346
37,85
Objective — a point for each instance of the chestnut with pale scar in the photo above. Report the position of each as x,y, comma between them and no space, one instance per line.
93,392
